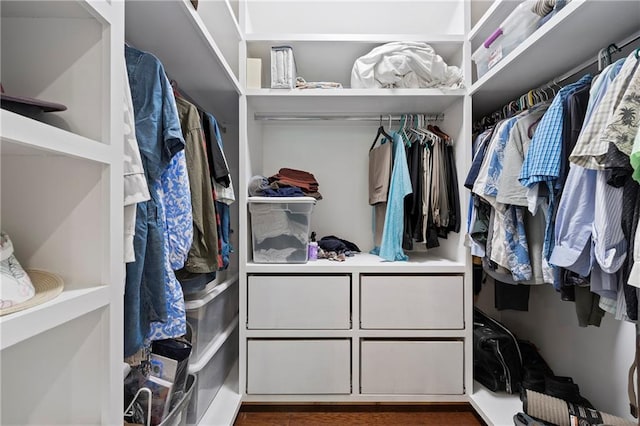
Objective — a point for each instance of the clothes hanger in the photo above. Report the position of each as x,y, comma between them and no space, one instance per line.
426,133
379,133
402,130
611,49
602,59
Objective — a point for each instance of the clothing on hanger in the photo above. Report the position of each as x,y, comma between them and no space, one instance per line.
159,139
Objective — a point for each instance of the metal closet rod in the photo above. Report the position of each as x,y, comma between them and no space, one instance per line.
376,118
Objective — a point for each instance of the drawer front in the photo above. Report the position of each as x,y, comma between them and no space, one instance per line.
412,367
411,302
299,302
299,366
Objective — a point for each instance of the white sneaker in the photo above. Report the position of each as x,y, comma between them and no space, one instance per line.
15,285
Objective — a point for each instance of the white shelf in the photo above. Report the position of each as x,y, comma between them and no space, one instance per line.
188,52
273,39
101,9
218,19
497,409
562,43
224,408
355,333
356,398
226,18
311,50
355,17
378,38
365,263
68,306
82,9
335,101
24,136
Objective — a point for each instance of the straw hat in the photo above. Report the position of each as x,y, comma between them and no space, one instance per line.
20,289
47,286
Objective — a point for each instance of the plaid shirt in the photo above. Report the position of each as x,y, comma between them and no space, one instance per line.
542,162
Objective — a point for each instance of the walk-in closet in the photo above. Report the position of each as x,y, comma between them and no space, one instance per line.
320,203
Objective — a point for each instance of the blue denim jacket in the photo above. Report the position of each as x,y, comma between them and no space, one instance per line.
159,139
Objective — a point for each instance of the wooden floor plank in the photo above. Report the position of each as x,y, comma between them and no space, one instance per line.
357,415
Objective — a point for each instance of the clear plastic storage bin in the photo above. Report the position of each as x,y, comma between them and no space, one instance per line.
211,315
519,25
211,372
280,228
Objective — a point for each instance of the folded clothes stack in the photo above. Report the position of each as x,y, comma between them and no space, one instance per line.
283,68
296,178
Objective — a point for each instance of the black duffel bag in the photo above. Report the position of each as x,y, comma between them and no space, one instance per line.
497,360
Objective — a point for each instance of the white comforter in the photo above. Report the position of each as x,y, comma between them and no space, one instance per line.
404,65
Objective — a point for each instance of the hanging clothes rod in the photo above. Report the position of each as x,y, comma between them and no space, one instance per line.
555,82
374,118
624,43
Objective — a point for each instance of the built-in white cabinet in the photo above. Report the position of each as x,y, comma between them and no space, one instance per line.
299,302
61,204
298,366
287,310
411,367
371,339
411,302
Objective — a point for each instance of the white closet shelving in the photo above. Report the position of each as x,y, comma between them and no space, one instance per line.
571,37
204,66
575,33
199,49
61,204
327,37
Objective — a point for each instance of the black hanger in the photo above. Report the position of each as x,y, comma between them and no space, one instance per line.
381,132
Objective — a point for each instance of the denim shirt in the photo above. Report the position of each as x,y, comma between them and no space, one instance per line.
159,139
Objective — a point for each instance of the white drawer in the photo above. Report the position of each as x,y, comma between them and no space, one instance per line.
411,302
299,366
299,302
412,367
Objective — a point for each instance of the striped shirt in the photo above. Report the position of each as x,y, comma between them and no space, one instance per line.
575,215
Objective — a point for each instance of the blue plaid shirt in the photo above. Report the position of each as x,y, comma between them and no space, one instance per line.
542,162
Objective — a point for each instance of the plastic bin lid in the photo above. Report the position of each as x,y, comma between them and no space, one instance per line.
278,200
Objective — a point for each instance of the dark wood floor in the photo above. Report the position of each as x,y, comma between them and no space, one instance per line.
364,415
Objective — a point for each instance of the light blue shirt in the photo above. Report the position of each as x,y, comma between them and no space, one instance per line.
576,210
399,187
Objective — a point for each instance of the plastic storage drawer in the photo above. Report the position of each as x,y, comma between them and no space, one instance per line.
212,371
209,316
280,228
